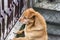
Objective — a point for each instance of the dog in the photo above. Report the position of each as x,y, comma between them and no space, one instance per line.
35,28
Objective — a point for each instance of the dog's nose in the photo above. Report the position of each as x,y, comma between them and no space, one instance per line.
20,19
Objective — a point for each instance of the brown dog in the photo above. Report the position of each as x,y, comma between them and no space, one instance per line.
35,28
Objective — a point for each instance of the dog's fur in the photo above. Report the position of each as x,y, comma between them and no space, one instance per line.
35,28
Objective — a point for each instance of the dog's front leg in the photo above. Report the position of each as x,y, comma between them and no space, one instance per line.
37,28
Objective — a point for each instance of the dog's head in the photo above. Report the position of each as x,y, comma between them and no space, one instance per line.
27,16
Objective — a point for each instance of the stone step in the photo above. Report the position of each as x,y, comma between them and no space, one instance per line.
49,15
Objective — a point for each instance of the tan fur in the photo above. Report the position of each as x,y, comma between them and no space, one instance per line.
35,28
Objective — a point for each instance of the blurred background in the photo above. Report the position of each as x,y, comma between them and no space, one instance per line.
11,10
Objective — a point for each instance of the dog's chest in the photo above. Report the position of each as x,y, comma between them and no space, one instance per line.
32,34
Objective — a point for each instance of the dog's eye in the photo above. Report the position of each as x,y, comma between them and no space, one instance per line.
33,16
25,17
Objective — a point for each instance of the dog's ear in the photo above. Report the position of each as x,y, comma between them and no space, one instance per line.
32,15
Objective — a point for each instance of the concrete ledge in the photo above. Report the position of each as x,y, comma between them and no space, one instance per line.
11,35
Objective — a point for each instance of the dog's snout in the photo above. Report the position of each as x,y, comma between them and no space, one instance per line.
19,20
